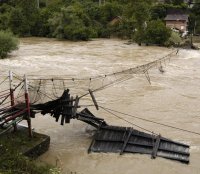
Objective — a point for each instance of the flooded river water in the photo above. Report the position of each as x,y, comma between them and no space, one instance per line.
173,98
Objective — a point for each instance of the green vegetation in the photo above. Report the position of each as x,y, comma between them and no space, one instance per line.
174,40
12,145
195,18
8,43
86,19
72,23
157,33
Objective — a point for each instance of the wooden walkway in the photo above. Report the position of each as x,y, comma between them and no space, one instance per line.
128,140
121,140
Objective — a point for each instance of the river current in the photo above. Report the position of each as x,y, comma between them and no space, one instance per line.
173,98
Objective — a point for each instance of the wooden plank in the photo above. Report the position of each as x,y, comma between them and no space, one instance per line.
75,107
144,145
172,146
156,146
65,109
93,99
71,106
171,141
87,112
90,117
138,143
174,156
126,141
122,129
94,139
174,151
138,149
115,139
107,147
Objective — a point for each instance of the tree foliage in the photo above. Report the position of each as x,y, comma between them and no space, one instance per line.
84,19
194,26
157,33
8,43
174,39
23,17
71,23
175,2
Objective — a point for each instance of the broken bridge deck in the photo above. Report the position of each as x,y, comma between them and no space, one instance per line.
128,140
121,140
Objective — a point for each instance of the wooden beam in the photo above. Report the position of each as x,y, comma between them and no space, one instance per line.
155,148
126,141
93,99
75,107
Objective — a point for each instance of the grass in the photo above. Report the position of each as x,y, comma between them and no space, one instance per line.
12,160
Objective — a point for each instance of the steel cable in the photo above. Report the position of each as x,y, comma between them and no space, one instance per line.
147,120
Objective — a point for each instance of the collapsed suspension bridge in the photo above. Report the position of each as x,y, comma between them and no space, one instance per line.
60,98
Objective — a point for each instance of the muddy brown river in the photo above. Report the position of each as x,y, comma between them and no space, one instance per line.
173,98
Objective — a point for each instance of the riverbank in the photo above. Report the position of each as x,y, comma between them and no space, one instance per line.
190,43
18,153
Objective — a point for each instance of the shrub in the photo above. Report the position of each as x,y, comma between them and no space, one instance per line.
8,43
157,33
174,40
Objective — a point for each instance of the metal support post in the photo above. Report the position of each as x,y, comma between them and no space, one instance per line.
12,100
27,100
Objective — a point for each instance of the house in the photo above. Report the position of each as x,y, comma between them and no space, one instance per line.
177,19
116,20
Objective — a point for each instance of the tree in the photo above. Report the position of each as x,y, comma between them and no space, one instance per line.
8,43
42,26
174,2
23,16
83,19
4,16
17,22
194,20
157,33
178,2
109,11
141,14
30,12
158,11
72,23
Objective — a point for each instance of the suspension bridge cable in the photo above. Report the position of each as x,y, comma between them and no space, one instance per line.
140,69
3,80
127,74
117,81
128,121
147,120
19,78
127,71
